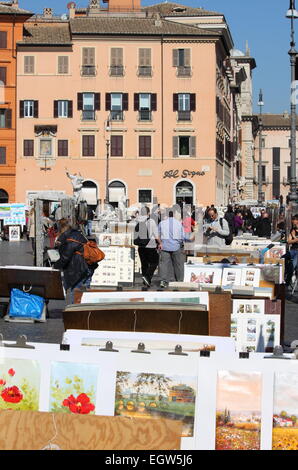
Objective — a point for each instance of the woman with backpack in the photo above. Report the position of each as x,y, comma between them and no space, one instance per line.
76,272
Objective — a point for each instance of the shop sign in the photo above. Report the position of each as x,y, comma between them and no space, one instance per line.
183,174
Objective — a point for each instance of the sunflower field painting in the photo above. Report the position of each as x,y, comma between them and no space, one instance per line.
73,388
285,413
19,384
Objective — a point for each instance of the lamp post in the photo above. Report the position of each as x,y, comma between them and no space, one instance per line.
107,129
292,14
260,172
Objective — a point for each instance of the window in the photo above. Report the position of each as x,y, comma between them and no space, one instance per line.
29,64
145,103
5,118
3,73
145,68
181,60
28,148
116,67
63,64
184,146
145,146
184,103
116,103
88,146
29,109
88,103
62,148
88,62
144,196
3,40
2,155
263,173
116,146
63,109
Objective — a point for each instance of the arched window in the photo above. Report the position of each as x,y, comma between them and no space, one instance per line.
3,196
184,192
89,192
117,191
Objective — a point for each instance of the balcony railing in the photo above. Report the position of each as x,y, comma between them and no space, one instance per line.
88,70
184,116
145,115
88,115
116,115
145,71
183,71
116,71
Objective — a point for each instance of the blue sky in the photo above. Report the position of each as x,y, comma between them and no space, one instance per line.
260,22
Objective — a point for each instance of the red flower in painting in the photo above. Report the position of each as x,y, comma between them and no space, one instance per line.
2,382
79,405
12,394
11,372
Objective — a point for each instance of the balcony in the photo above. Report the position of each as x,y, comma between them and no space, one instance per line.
116,71
145,71
116,115
88,115
88,71
145,115
184,71
184,116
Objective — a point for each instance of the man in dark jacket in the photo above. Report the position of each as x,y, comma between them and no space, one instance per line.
76,271
263,226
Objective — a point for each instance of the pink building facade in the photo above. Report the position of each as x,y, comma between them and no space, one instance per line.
141,106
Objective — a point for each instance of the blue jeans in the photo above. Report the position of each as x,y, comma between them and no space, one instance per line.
85,282
294,258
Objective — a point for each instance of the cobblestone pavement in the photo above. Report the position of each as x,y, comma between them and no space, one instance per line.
20,253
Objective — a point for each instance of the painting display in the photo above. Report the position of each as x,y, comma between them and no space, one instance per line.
285,412
14,233
19,384
250,277
276,251
107,239
231,277
157,396
202,275
238,410
117,267
219,276
248,306
255,333
73,388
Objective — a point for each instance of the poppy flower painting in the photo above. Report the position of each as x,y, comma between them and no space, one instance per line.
73,388
19,384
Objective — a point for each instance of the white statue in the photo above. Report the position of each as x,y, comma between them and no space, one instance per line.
77,184
122,208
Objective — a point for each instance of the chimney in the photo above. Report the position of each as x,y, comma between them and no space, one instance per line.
286,114
15,4
71,9
48,12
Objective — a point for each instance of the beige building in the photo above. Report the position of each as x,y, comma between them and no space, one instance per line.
144,103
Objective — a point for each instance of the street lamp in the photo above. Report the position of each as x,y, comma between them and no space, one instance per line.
260,169
292,14
107,129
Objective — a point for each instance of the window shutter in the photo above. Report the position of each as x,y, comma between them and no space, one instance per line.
88,145
175,58
175,101
62,148
141,146
2,155
22,109
97,101
116,56
55,109
187,57
8,118
192,101
3,75
136,101
29,64
35,111
63,64
89,56
116,146
108,101
28,148
148,145
153,102
144,146
192,145
175,146
70,109
80,101
3,40
125,102
144,57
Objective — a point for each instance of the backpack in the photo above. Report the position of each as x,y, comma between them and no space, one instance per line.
141,234
228,238
91,253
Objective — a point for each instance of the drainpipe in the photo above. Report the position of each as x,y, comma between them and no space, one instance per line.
162,102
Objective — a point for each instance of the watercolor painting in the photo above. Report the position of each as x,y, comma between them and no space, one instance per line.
148,395
19,384
73,387
238,413
285,412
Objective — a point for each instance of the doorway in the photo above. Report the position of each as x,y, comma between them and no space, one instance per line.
184,193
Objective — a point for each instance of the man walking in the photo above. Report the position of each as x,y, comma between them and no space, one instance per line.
147,240
171,236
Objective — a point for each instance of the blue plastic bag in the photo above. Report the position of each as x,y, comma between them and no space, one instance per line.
25,305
